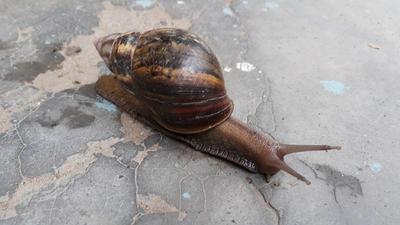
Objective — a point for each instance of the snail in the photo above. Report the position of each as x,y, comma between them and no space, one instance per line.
171,80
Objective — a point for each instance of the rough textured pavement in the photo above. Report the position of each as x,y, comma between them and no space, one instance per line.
306,72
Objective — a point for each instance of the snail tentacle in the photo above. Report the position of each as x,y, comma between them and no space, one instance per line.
285,149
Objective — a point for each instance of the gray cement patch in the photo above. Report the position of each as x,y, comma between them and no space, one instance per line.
104,195
9,163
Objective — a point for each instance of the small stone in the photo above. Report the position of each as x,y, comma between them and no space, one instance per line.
72,50
163,22
249,180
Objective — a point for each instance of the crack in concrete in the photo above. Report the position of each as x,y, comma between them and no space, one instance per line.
267,200
265,99
276,212
190,173
136,218
107,195
24,145
266,103
141,155
20,152
267,92
139,161
180,191
203,183
51,210
137,194
269,98
151,203
56,198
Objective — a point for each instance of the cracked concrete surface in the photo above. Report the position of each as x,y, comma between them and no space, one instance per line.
305,72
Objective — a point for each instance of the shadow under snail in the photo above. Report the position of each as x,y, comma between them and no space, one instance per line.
171,80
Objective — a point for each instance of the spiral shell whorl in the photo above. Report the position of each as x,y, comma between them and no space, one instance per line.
178,78
122,53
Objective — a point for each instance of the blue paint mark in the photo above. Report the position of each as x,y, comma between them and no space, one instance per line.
333,86
186,195
104,104
375,167
145,3
228,11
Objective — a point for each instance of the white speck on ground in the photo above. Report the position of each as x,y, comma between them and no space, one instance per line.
245,66
227,69
228,11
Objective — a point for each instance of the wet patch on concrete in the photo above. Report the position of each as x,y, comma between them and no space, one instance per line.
345,188
76,118
126,152
18,101
87,90
340,180
37,35
71,116
153,139
27,71
5,45
61,127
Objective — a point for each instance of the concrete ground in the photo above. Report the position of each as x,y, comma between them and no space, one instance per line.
306,72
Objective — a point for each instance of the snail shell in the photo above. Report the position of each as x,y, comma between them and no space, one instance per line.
174,73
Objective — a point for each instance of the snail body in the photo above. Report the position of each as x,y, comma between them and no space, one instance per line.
171,80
